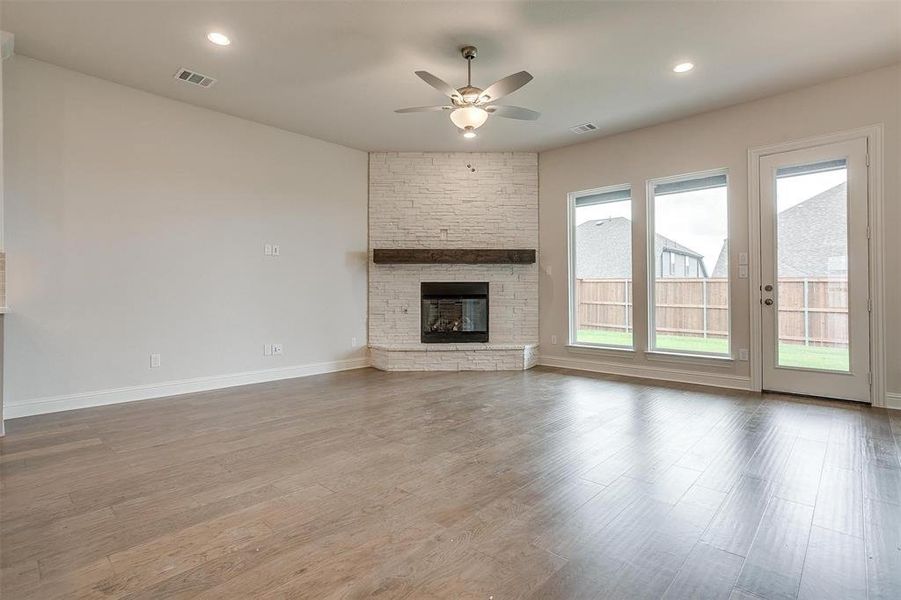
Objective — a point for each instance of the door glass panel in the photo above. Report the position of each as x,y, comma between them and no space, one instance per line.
812,266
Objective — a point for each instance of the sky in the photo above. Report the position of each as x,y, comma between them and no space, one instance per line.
698,219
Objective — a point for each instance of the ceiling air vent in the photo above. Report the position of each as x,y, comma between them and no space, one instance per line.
193,78
583,128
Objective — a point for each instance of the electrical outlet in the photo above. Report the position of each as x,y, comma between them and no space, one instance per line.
267,349
742,271
154,361
276,349
267,249
554,340
353,342
743,354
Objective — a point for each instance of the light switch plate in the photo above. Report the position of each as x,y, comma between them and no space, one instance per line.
742,271
742,258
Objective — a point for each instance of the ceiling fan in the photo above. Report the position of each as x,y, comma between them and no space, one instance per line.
470,106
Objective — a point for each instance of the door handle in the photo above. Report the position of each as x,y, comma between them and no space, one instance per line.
768,288
768,301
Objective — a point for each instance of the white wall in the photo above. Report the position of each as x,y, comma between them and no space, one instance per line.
709,141
2,255
136,224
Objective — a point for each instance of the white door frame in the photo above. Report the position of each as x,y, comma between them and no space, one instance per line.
874,136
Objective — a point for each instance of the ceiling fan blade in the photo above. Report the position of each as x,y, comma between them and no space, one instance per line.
439,84
513,112
414,109
505,86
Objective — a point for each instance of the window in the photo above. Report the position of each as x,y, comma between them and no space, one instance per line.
601,267
688,306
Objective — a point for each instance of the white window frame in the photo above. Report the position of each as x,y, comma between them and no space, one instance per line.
571,198
650,224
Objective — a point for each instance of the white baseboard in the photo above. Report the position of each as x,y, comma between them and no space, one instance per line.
893,400
51,404
736,382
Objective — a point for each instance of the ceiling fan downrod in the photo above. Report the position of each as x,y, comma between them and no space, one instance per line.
469,53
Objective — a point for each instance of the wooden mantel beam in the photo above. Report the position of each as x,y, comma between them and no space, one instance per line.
467,256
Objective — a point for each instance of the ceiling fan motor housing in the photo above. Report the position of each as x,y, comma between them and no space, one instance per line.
470,93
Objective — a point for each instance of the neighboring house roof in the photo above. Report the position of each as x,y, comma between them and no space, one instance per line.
604,249
668,244
721,268
813,237
811,233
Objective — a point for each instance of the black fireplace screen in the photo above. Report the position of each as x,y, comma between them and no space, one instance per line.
454,312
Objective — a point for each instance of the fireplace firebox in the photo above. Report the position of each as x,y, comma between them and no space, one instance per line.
454,312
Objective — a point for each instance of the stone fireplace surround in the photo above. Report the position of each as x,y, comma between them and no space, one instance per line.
453,200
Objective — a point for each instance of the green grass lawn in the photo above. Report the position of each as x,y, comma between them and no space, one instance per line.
813,357
790,355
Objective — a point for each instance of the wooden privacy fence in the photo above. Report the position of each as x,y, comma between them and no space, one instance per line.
811,311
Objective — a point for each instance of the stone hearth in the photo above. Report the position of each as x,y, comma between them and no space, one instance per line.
453,357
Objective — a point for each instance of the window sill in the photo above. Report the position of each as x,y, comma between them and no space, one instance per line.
694,359
599,350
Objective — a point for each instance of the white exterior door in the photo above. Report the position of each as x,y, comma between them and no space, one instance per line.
815,271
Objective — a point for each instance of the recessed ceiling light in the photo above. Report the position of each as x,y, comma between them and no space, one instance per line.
684,67
220,39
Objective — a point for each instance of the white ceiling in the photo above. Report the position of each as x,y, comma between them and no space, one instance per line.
337,70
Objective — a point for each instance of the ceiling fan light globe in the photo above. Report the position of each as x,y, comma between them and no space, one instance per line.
469,117
469,133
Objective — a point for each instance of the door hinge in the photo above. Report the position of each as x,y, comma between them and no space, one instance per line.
868,232
869,305
870,378
868,159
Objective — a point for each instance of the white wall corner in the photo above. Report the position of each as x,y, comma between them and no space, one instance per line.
7,44
893,400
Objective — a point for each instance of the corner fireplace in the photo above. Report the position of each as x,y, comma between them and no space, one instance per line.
454,312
